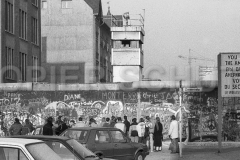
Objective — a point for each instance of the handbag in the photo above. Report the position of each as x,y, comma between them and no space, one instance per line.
170,146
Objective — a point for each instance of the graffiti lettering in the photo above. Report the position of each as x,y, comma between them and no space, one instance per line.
72,97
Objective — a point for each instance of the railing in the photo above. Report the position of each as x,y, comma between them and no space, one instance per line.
131,20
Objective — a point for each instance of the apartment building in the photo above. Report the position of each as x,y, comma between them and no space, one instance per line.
20,45
76,43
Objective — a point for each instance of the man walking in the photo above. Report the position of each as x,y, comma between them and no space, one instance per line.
173,135
149,124
80,123
127,124
120,125
107,123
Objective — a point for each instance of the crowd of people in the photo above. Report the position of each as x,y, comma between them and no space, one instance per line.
148,130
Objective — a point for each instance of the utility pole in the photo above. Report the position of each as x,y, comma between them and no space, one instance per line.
180,121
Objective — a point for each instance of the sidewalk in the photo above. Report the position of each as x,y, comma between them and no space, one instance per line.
199,151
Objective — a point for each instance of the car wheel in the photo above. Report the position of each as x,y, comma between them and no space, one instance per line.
139,156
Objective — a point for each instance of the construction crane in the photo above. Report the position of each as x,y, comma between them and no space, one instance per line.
190,58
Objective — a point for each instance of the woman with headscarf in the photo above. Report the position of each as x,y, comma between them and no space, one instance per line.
157,135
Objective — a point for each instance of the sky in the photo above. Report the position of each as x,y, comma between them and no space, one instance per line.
201,28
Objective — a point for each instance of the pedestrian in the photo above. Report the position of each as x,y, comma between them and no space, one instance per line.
127,124
48,127
120,125
107,123
28,127
61,127
141,130
113,121
102,122
16,128
92,123
80,123
59,121
133,133
72,124
173,135
150,130
157,134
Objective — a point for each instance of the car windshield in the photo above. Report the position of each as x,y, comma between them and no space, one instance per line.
40,151
80,149
78,135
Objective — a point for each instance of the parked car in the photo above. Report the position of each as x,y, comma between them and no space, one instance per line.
68,149
108,142
25,149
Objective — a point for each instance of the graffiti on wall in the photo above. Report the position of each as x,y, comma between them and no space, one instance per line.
200,109
203,116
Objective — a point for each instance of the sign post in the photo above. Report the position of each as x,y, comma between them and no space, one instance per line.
228,84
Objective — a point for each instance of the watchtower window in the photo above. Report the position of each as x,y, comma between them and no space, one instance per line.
126,43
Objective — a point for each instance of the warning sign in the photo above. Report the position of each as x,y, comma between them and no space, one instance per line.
230,74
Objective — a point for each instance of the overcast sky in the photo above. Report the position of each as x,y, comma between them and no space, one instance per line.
206,27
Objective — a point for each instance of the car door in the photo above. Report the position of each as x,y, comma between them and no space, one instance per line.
122,148
103,143
10,153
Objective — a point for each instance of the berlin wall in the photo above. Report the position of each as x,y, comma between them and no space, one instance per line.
37,101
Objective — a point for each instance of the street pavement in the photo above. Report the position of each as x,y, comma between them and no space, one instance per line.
198,152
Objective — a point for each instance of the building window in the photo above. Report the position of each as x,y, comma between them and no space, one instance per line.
9,16
35,2
66,3
9,63
22,24
35,69
34,30
23,66
44,4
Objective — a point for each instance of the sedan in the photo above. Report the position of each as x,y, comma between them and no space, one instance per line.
25,149
108,142
68,149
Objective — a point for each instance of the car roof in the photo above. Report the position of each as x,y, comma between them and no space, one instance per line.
19,141
92,128
42,137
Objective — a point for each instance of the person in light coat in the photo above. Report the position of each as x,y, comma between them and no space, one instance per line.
173,135
141,130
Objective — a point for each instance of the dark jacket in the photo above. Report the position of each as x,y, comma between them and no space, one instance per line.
30,126
127,124
15,129
62,127
47,129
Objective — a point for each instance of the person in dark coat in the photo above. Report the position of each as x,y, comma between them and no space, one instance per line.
157,135
16,128
28,127
61,127
48,127
113,121
127,124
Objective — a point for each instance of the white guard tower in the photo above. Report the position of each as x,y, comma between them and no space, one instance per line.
127,52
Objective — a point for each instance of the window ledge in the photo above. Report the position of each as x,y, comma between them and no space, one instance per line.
9,32
23,39
34,5
37,45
